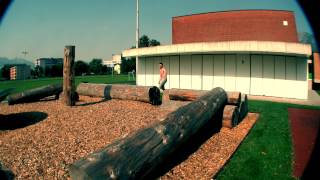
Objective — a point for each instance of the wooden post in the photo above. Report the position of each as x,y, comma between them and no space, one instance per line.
68,76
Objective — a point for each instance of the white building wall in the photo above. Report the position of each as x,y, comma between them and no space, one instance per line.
230,73
185,71
218,71
174,72
269,75
196,72
243,73
141,74
149,71
256,84
207,74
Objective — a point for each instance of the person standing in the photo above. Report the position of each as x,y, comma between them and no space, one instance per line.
163,76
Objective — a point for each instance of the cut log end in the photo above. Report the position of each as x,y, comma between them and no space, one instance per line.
230,116
243,107
234,97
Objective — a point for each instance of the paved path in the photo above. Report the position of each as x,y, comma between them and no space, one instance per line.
305,130
313,99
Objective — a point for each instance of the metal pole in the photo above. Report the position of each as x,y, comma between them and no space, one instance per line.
137,38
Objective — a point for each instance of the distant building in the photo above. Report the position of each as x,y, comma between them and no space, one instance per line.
114,63
48,62
20,71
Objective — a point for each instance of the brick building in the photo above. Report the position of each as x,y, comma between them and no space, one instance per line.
255,52
241,25
20,71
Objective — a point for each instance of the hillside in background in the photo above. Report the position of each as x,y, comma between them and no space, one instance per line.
5,60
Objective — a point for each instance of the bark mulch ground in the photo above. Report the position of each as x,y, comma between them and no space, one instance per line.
44,138
305,128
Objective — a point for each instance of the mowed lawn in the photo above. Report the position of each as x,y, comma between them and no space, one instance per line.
266,153
22,85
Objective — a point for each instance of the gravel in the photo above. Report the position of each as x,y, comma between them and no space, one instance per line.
45,137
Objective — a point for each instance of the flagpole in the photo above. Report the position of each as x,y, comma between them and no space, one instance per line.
137,40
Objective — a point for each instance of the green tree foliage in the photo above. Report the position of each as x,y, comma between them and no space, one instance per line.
127,65
38,71
5,71
81,67
95,66
154,42
308,38
54,71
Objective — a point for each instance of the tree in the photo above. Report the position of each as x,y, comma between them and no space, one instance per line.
144,41
38,71
57,70
95,66
154,42
308,38
5,71
127,65
81,67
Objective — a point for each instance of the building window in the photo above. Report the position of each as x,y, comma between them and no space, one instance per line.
285,23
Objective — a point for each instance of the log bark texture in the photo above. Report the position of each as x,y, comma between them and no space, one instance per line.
191,95
230,116
136,156
36,94
68,76
243,107
4,93
120,91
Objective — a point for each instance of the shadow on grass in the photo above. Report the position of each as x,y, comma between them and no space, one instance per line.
20,120
192,145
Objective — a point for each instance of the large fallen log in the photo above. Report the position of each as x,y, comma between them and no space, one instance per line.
230,116
191,95
243,107
36,94
4,93
121,91
136,156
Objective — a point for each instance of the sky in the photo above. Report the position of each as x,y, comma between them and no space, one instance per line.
100,28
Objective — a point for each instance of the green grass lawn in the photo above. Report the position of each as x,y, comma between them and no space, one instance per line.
21,85
267,151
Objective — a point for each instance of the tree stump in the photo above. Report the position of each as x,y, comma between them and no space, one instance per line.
230,116
68,76
136,156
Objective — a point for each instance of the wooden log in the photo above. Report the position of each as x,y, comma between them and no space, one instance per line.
185,94
230,116
68,76
36,94
243,107
146,94
4,93
136,156
191,95
234,97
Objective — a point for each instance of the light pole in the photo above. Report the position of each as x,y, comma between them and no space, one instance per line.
137,39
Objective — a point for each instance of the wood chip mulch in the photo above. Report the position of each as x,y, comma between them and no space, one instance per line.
45,137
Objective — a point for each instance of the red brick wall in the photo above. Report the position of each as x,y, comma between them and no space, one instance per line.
316,66
261,25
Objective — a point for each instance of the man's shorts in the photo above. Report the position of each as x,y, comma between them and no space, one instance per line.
162,83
